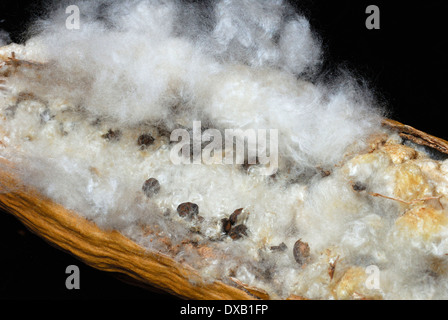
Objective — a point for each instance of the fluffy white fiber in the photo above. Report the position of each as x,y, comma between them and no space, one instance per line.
4,38
231,64
239,71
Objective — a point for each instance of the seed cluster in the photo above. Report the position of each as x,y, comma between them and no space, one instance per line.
112,135
190,211
230,228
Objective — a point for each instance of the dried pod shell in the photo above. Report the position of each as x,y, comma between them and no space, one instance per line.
422,222
399,153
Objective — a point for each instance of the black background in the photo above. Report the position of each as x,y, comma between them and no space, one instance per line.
404,62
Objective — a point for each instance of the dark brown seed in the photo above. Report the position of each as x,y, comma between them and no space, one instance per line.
234,216
163,131
112,135
281,247
188,210
324,173
358,186
145,140
301,251
226,225
151,187
238,232
332,268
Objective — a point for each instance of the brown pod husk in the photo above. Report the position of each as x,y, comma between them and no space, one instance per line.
105,250
111,251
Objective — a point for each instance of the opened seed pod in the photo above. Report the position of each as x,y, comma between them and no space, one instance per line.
218,172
